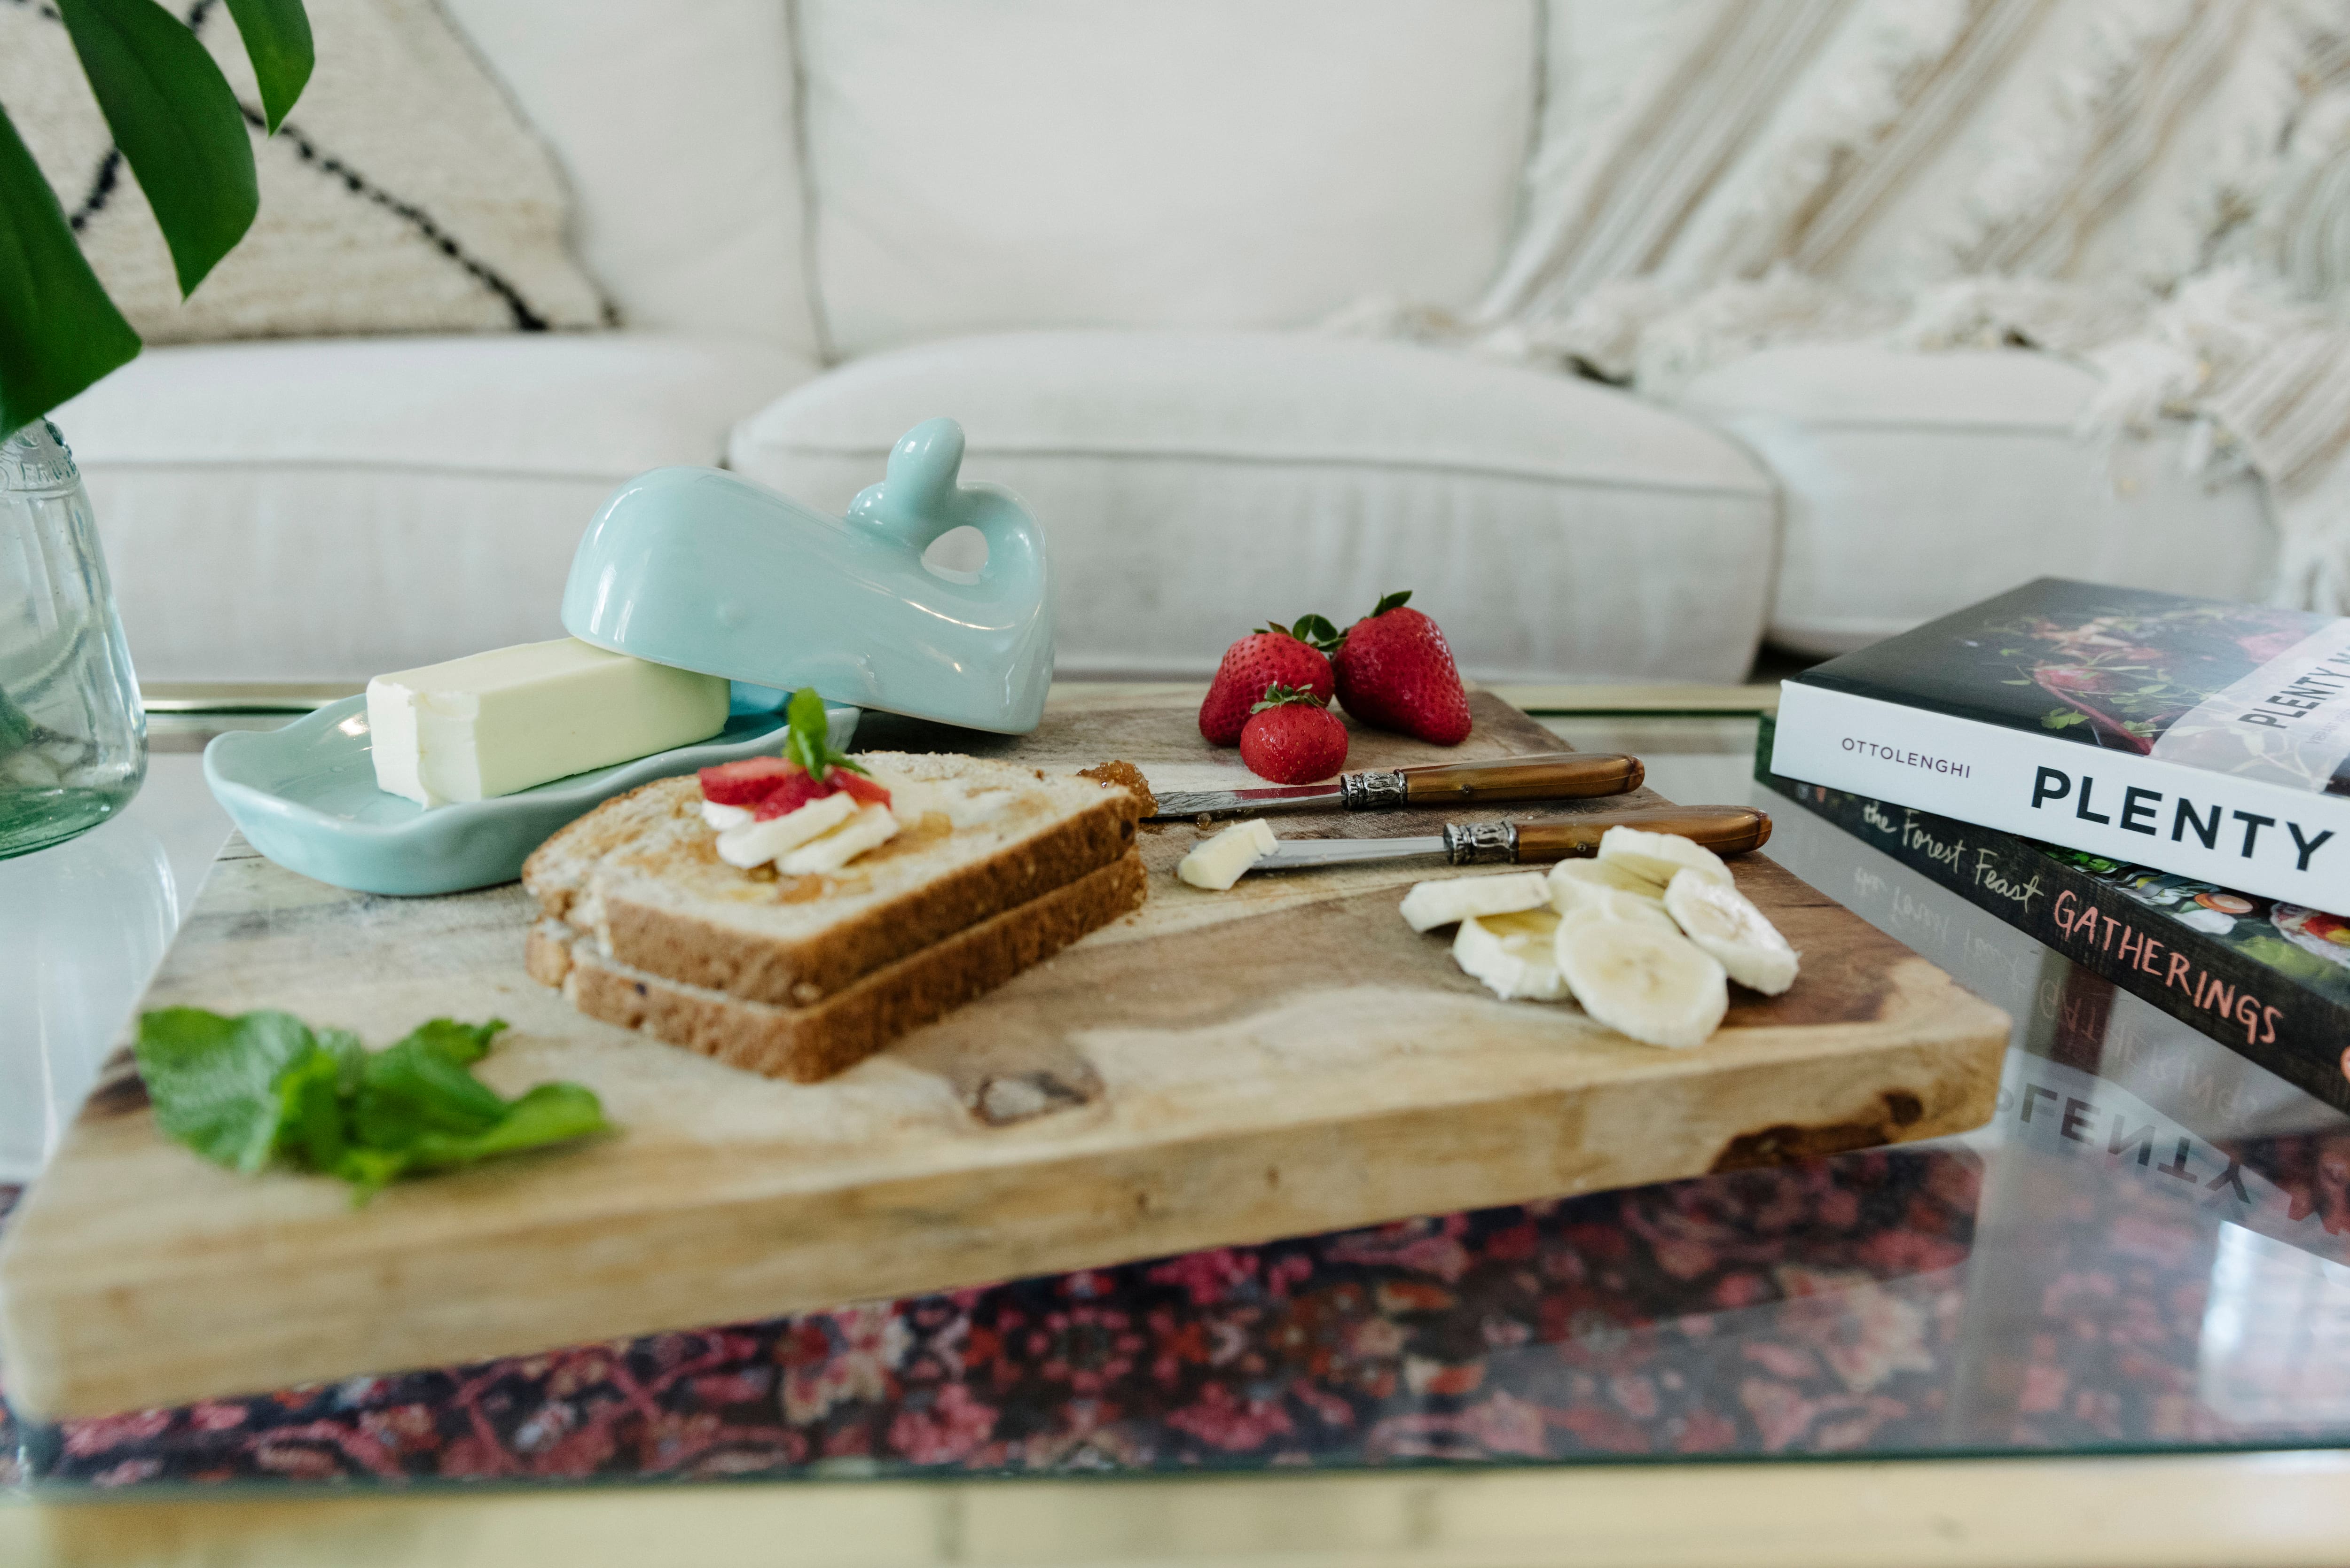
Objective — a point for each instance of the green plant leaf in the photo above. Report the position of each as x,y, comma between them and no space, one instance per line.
58,332
276,34
1388,602
176,122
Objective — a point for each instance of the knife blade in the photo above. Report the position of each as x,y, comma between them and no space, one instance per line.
1544,776
1724,829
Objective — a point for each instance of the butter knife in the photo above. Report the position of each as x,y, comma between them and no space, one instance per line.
1724,829
1544,775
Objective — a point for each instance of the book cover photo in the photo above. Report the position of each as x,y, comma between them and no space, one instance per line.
2204,739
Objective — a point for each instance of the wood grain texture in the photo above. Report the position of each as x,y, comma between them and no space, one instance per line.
1283,1058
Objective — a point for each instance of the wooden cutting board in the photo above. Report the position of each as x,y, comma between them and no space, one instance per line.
1284,1058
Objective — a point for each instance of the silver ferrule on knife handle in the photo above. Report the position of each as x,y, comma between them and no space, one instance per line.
1481,843
1366,791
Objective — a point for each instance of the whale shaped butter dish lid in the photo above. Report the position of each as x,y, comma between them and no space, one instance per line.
704,569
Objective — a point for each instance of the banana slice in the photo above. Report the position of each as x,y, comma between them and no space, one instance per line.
1614,903
726,817
1432,904
1741,938
755,843
1569,878
1657,858
1216,863
1657,987
1516,955
871,826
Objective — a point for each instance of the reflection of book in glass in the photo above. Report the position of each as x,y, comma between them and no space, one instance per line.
2267,978
2207,739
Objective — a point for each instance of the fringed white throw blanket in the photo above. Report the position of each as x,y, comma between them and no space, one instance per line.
2159,188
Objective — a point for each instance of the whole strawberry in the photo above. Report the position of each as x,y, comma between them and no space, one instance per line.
1290,738
1396,671
1276,655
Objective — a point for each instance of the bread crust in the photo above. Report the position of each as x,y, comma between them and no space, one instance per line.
811,1043
547,952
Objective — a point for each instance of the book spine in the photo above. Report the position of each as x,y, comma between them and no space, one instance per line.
2247,834
2243,1004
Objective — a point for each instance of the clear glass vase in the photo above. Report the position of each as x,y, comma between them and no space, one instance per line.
73,738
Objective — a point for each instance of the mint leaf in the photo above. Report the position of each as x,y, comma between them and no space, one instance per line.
369,1171
240,1090
1390,601
550,1112
420,1086
460,1044
212,1079
808,741
310,1109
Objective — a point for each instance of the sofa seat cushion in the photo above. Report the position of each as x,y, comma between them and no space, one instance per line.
1192,484
314,511
1914,484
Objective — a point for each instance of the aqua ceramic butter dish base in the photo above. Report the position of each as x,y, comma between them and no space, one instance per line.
306,796
705,570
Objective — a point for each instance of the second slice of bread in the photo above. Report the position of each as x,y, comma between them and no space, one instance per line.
640,876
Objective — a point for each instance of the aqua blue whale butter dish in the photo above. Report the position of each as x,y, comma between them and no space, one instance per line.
705,570
306,796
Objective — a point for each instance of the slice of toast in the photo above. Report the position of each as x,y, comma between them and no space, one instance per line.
641,877
807,1044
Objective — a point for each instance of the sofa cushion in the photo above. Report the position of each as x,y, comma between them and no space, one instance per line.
674,125
1192,484
1913,484
310,511
403,194
1157,162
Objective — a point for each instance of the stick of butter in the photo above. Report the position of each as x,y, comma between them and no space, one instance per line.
495,723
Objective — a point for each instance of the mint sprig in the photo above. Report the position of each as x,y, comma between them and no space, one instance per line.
264,1085
808,740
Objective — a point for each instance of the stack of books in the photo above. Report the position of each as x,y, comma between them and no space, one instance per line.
2157,787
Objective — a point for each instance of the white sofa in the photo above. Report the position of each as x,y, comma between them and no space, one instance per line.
1099,237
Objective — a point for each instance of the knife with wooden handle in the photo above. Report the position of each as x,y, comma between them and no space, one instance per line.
1724,829
1545,776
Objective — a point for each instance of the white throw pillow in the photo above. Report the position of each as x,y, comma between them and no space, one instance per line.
1157,162
673,124
402,194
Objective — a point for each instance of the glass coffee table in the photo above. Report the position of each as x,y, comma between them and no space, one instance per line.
1969,1324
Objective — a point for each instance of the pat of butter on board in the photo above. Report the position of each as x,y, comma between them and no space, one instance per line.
493,724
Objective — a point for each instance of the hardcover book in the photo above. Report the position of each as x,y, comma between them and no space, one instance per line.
2207,739
2269,980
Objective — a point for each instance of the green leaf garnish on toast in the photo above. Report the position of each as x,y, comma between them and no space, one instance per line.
808,741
